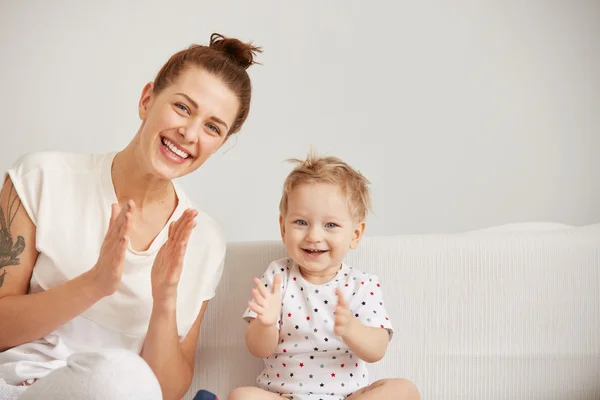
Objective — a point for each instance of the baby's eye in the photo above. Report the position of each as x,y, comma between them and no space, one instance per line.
300,222
331,225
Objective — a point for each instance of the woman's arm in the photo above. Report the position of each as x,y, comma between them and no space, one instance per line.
26,317
171,361
23,317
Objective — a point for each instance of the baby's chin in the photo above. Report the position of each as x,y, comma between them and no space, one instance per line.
316,270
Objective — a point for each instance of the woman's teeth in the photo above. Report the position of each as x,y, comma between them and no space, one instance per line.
169,145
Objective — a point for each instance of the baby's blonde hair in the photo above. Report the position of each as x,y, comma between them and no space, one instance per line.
334,171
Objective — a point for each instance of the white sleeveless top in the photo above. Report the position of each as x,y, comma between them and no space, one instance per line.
68,197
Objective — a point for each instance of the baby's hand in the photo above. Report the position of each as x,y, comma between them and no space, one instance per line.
266,303
343,316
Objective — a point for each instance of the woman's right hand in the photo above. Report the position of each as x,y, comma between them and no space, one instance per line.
266,303
109,268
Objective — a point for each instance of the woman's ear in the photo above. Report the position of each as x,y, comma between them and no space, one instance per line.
145,100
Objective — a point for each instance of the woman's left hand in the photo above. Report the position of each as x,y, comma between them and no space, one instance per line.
168,264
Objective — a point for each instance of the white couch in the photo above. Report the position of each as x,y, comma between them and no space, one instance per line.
504,313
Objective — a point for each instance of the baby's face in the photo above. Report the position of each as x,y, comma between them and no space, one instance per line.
318,229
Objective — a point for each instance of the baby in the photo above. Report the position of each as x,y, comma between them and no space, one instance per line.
314,319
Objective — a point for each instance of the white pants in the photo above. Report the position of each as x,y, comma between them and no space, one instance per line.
112,374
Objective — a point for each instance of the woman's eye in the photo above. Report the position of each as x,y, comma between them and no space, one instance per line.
183,108
214,128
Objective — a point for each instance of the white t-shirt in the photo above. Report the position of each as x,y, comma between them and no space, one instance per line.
310,358
68,197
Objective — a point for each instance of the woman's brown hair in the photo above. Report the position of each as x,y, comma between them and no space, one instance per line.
227,58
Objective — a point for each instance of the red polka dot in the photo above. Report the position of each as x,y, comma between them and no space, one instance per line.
285,350
284,365
301,365
289,314
308,318
362,283
372,294
342,365
294,278
378,285
333,375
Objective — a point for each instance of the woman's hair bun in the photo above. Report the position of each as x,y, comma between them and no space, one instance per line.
239,52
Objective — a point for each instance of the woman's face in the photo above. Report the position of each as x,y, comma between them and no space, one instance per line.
185,123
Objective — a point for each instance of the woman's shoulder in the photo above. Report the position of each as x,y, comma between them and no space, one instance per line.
204,221
54,160
207,229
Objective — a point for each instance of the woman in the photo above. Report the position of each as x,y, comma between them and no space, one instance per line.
92,266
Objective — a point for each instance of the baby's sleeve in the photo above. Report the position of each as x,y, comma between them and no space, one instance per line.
276,267
370,310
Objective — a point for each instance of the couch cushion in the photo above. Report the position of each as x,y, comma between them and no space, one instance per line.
491,315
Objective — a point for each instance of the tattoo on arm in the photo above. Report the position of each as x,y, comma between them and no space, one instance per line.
9,249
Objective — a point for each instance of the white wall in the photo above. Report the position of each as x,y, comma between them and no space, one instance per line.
464,116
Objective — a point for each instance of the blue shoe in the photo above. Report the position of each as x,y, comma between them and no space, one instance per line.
205,395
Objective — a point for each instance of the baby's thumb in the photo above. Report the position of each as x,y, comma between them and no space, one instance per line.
277,284
340,296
